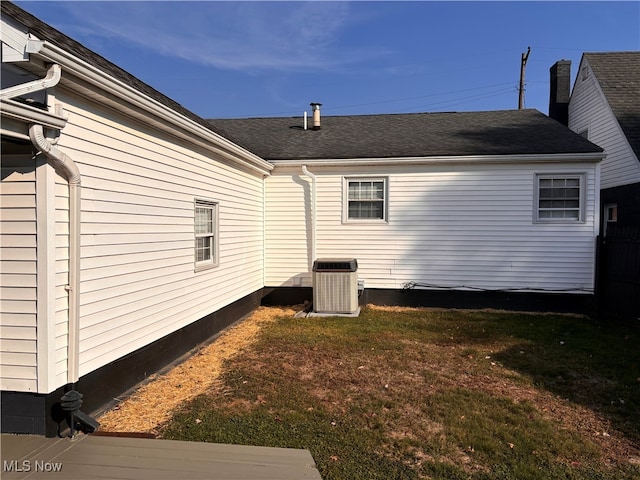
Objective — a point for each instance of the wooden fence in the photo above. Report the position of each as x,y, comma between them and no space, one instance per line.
618,285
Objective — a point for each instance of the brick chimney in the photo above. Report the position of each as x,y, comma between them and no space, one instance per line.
560,91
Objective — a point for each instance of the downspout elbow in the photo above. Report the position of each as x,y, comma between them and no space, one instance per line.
59,160
54,74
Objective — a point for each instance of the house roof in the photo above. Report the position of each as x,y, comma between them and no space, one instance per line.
618,74
45,32
506,132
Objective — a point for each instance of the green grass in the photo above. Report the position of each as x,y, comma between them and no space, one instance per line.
434,394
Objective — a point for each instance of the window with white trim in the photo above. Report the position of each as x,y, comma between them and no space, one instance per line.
206,233
365,199
559,198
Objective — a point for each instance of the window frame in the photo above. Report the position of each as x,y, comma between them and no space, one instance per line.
559,176
213,260
345,199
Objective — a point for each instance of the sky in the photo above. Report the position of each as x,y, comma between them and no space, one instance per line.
262,59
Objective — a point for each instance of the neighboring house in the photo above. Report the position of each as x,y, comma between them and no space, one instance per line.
133,230
605,108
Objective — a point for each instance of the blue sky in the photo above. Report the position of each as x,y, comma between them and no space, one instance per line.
254,59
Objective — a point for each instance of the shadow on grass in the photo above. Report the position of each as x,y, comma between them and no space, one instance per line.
589,363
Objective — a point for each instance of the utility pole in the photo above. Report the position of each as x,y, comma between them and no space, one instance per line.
523,64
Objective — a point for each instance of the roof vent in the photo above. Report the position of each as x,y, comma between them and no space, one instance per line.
316,115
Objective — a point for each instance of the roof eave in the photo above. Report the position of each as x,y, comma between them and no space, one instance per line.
588,157
189,128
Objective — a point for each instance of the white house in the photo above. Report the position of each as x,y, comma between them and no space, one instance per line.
125,219
498,201
133,230
604,107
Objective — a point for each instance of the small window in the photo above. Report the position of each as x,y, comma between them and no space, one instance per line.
365,199
206,234
559,198
584,133
610,217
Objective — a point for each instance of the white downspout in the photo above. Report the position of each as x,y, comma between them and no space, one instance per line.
313,215
64,165
52,78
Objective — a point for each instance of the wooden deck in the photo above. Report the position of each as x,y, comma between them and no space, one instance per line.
93,457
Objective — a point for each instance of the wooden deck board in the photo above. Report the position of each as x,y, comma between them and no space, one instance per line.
94,457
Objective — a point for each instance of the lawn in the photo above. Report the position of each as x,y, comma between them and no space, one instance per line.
425,393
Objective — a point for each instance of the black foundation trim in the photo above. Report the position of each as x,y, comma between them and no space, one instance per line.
516,301
39,414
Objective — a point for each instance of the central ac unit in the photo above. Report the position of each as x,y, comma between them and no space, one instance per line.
335,285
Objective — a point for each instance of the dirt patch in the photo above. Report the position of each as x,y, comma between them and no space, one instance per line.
153,403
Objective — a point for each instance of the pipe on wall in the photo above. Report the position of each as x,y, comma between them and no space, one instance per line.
313,215
65,166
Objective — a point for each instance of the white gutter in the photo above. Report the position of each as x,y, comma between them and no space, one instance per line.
207,138
445,160
313,215
28,114
53,77
65,166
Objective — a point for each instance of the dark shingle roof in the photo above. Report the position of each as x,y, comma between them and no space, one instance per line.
505,132
45,32
618,74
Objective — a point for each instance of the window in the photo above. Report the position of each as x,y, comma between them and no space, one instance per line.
584,133
610,217
365,199
559,198
206,234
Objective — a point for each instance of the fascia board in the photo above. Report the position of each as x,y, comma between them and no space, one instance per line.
210,140
593,157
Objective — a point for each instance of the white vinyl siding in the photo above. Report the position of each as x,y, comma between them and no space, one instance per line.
138,282
452,226
589,110
18,266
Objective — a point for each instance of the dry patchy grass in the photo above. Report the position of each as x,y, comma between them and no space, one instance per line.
413,393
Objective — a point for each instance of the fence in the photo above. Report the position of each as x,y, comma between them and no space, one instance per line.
618,286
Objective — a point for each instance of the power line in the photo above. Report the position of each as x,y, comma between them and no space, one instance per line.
395,100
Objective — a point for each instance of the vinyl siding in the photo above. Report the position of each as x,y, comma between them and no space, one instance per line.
18,286
451,226
588,109
138,278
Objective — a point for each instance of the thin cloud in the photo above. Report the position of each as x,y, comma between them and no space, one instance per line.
234,36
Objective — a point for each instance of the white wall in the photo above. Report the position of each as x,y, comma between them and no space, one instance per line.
589,110
449,225
138,281
18,265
